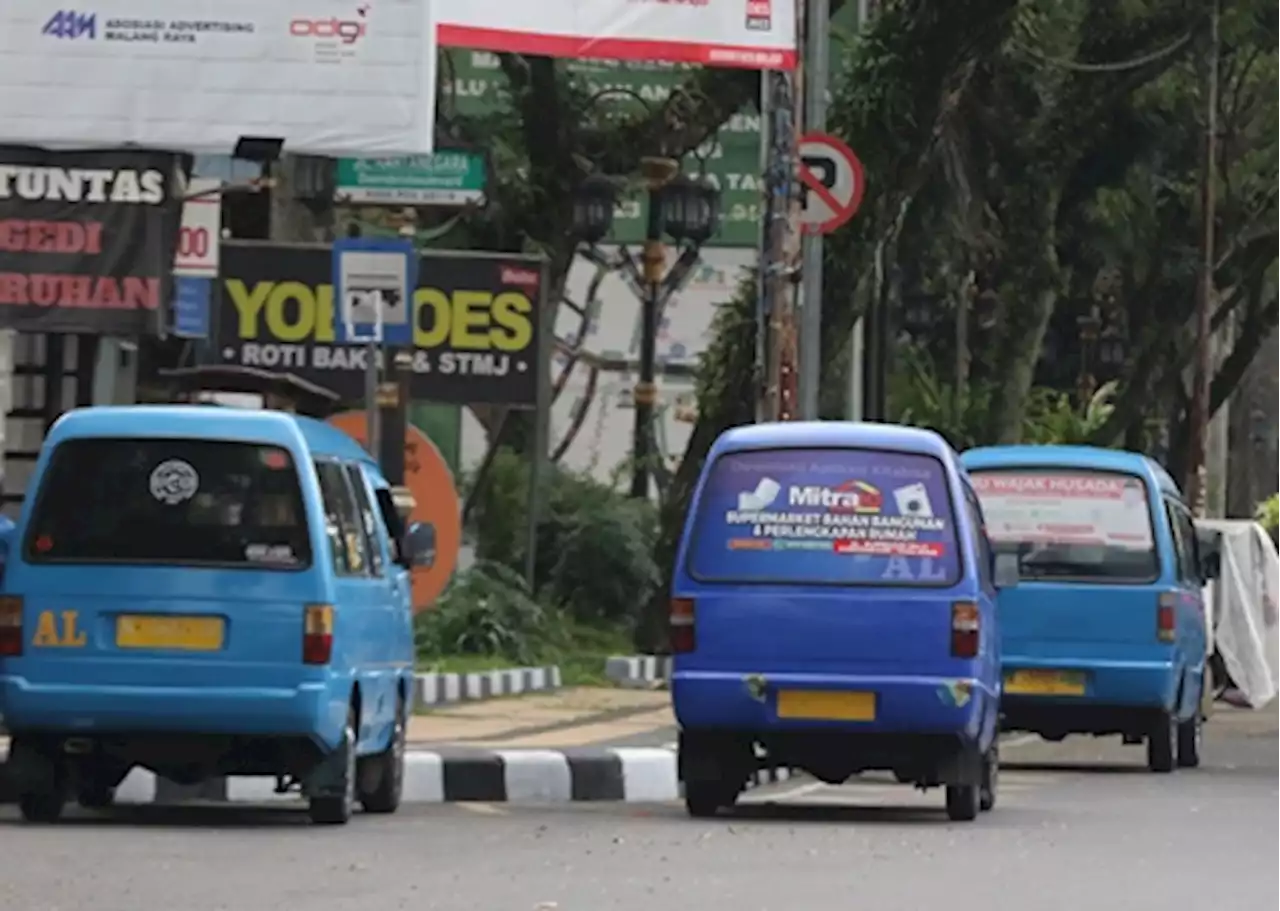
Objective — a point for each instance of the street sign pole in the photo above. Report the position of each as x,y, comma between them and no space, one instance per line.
817,28
373,282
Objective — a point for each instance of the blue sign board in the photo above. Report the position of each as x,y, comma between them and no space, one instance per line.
373,283
191,306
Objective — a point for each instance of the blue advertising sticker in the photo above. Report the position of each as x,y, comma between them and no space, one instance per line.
826,516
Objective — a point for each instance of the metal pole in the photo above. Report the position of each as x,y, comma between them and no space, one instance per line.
541,430
817,39
762,258
858,337
1200,395
373,441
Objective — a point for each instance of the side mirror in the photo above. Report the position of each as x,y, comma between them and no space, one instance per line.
1210,567
1209,548
1004,573
420,545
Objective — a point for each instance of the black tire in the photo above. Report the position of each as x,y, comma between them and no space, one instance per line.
96,797
337,811
1190,733
388,769
989,789
703,799
963,802
1162,745
42,806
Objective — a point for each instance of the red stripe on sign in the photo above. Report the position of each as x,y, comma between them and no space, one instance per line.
828,198
721,55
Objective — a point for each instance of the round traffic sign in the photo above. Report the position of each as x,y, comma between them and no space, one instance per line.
832,183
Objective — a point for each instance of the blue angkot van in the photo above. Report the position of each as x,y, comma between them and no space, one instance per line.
833,610
1105,633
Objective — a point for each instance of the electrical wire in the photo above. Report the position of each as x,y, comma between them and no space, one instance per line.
1118,67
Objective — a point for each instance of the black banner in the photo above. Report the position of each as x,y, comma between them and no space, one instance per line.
86,240
475,322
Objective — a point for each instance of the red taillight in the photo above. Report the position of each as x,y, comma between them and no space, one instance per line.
317,633
1167,617
680,623
10,627
966,629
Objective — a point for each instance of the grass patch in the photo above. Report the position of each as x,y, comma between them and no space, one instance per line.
579,651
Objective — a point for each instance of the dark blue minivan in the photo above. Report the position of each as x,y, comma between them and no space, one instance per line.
833,610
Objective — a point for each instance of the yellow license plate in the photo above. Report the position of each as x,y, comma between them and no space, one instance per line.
824,705
1045,683
188,634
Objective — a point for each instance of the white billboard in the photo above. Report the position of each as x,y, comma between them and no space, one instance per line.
748,34
329,77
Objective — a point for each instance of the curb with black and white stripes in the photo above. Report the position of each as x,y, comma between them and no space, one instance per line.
627,774
442,689
633,669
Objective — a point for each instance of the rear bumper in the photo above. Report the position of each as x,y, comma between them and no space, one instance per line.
1119,697
304,710
743,703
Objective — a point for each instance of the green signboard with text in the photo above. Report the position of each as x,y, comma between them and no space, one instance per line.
732,156
446,178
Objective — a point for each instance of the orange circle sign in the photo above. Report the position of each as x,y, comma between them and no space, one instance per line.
427,476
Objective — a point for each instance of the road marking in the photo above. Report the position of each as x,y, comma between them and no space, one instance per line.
483,809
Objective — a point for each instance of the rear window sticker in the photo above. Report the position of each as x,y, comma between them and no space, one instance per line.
174,481
269,553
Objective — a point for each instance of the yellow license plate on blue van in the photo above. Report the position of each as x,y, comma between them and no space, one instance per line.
188,634
827,705
1045,683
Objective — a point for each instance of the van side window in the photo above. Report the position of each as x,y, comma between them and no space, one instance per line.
1184,537
391,519
368,517
342,519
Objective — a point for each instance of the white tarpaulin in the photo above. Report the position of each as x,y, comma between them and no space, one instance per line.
750,34
329,77
1244,600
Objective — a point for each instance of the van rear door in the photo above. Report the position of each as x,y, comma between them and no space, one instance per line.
823,559
144,557
1087,559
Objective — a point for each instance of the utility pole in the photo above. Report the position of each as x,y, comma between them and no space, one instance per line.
858,337
781,249
1200,389
816,43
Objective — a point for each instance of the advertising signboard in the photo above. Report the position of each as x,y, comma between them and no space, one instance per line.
453,178
748,34
328,77
475,326
87,240
732,158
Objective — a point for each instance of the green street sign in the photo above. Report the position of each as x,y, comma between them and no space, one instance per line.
450,178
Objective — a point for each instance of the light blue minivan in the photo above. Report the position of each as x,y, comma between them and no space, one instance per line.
1105,632
207,592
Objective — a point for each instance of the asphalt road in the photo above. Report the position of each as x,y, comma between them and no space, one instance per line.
1080,825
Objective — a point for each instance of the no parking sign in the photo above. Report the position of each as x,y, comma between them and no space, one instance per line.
832,183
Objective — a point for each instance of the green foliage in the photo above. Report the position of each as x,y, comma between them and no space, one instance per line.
1268,514
486,610
595,546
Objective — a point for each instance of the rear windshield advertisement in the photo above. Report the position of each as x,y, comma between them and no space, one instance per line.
1065,507
825,516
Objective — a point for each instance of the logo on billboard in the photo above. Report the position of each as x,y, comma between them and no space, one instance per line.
332,29
760,15
71,24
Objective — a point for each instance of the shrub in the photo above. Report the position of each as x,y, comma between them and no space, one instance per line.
486,610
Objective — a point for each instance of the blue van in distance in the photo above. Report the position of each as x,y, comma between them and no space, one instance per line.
207,592
1105,633
833,610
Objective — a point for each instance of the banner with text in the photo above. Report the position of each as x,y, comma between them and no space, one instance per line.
87,240
475,322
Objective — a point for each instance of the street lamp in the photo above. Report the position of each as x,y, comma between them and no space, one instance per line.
688,211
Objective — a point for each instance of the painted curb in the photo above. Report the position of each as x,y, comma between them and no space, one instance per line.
638,668
629,775
443,689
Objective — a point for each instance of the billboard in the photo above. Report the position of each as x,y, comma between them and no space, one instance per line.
329,77
746,34
475,322
87,239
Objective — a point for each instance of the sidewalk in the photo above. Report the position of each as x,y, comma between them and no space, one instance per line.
569,718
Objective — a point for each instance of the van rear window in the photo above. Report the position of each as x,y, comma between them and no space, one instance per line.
825,517
1072,525
173,502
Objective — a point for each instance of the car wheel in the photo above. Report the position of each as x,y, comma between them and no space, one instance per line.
330,810
962,802
1190,735
389,769
703,799
990,780
1162,745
